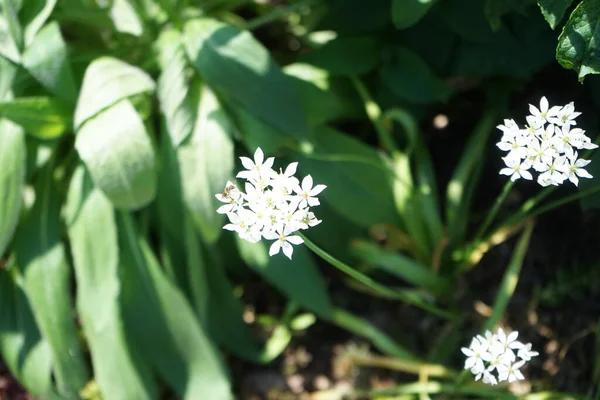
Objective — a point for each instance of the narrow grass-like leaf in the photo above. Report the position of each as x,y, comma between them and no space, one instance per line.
107,81
8,47
554,10
400,266
578,43
9,9
177,347
43,264
46,59
25,352
34,13
238,66
12,179
119,156
42,117
406,13
94,244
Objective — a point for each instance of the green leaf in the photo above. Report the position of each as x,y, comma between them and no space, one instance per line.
410,78
298,278
237,66
357,178
25,352
42,261
12,179
46,59
106,82
334,55
554,10
406,13
254,132
173,90
8,72
494,10
119,156
178,348
8,47
93,235
400,266
9,10
42,117
125,18
206,163
33,14
578,46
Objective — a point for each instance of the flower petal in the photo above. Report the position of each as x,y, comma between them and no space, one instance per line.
317,189
287,249
291,169
274,249
247,163
259,156
295,239
307,183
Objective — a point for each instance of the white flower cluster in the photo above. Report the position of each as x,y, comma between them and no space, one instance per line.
274,205
498,351
548,144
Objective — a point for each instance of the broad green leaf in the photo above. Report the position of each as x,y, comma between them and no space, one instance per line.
406,13
579,41
237,66
8,47
33,14
400,266
299,278
554,10
356,175
174,92
119,156
206,163
178,348
126,18
24,351
8,72
12,179
93,236
46,59
42,117
356,16
334,55
9,10
410,78
106,82
42,261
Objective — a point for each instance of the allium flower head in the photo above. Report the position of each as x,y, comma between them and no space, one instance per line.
495,352
548,144
273,205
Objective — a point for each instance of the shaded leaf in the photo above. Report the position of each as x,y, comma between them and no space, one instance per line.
406,13
178,348
12,179
578,47
206,163
107,81
42,117
119,156
335,54
41,259
554,10
94,244
46,59
239,67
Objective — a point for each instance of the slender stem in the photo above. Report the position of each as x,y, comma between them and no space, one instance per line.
528,206
374,113
410,367
276,14
565,200
495,208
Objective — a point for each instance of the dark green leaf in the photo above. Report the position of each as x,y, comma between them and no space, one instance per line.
410,78
42,261
356,16
406,13
254,132
107,81
592,201
46,59
12,179
578,43
119,156
239,67
554,10
298,278
495,9
42,117
93,235
334,56
177,347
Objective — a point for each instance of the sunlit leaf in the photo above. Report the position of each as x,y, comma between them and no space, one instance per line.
34,13
42,117
119,155
125,18
554,10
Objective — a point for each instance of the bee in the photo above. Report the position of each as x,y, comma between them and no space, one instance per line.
229,191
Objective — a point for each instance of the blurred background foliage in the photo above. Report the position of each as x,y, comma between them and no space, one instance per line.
120,120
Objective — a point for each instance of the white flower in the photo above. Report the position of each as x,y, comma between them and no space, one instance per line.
306,193
285,181
544,112
242,223
307,219
573,168
511,372
510,128
587,144
476,354
257,169
515,145
567,138
283,239
232,196
566,116
540,152
505,344
552,173
525,352
489,378
516,169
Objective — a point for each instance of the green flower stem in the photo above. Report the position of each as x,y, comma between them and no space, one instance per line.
410,367
367,281
276,14
565,200
527,206
495,208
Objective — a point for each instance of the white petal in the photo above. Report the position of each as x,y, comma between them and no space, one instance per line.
307,183
295,239
224,209
469,362
504,146
231,227
519,375
512,336
287,249
247,163
506,171
526,175
317,189
467,352
270,235
259,156
313,201
274,249
269,163
544,104
533,110
291,169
